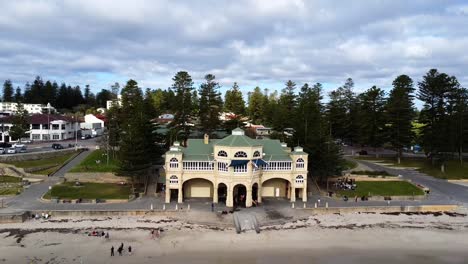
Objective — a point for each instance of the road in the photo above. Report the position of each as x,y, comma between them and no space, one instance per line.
47,146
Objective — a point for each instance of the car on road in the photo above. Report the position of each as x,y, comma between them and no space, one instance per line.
87,136
2,150
11,150
57,146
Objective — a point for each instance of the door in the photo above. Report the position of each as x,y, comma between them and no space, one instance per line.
277,192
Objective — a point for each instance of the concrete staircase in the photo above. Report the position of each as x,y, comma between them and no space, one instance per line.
245,221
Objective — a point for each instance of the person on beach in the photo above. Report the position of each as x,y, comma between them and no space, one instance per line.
112,251
120,249
130,250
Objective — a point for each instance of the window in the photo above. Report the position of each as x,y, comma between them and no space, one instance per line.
223,166
35,126
173,180
299,163
256,154
45,126
174,163
198,165
56,136
222,153
36,136
299,179
240,154
277,165
63,127
45,137
55,127
242,168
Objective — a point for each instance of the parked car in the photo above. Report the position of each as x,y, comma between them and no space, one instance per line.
87,136
22,149
57,146
5,145
2,150
11,150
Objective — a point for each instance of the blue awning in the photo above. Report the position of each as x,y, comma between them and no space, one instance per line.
259,162
236,163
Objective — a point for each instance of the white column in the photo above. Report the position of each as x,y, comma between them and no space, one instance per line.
248,199
293,194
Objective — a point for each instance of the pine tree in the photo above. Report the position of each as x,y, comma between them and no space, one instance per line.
7,91
256,106
342,110
135,144
309,125
210,104
434,90
20,123
182,87
18,95
234,102
286,108
372,119
102,97
400,114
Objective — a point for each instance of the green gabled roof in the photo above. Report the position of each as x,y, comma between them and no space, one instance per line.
273,150
238,141
197,150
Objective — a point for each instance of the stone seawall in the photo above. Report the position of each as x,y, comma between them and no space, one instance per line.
381,209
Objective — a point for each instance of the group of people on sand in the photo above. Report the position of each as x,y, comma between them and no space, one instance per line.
99,234
155,233
121,249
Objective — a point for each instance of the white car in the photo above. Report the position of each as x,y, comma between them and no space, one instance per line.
11,150
2,150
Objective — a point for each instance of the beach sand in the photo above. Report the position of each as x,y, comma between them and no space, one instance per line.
349,238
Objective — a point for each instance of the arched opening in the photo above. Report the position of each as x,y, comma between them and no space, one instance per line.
222,193
276,187
255,194
197,189
239,195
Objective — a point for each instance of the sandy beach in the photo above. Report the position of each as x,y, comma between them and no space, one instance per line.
336,238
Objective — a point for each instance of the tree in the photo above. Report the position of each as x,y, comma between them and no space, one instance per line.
183,87
342,110
89,97
256,106
400,114
102,97
135,144
433,92
210,104
234,102
309,125
372,118
457,111
20,123
18,95
7,91
285,114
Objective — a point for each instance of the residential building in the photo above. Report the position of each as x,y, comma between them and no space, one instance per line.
10,108
118,101
43,127
259,131
93,125
236,170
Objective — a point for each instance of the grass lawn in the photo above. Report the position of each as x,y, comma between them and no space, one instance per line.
90,165
56,162
382,188
10,191
453,169
9,179
68,190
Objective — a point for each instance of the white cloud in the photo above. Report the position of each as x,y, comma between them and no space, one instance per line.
256,42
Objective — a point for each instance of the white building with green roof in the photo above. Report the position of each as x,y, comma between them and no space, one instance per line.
236,170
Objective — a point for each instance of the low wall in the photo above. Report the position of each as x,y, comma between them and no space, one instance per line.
100,177
398,198
66,213
13,217
381,209
35,155
375,178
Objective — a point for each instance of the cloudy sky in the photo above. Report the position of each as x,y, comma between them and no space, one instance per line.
258,42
